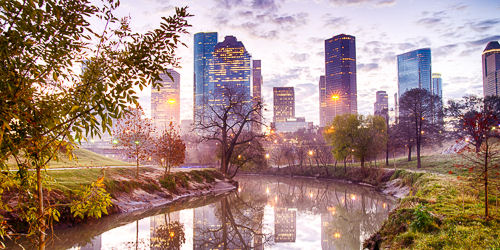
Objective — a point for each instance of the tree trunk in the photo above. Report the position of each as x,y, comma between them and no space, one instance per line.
41,216
419,163
136,234
409,152
486,213
345,167
362,161
137,161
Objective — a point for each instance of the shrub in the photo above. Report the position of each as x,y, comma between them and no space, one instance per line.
406,239
423,220
168,182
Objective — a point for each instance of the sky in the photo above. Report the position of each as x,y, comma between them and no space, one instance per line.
288,36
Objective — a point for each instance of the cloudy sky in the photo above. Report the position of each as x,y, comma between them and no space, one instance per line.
288,36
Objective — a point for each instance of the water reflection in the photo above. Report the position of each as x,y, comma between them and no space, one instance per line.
265,212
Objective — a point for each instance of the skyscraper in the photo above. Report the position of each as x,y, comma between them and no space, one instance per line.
283,103
231,69
322,101
165,101
257,93
491,69
340,76
437,85
381,103
204,45
414,71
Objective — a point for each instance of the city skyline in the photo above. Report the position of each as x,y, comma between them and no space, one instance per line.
383,29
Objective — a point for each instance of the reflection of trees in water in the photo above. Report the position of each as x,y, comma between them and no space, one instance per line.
237,224
349,213
170,235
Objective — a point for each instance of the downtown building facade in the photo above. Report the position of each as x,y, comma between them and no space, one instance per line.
257,94
322,101
491,69
340,89
381,106
219,68
204,46
437,85
283,104
414,71
165,101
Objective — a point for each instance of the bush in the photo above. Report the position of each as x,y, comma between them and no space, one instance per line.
182,179
423,220
168,182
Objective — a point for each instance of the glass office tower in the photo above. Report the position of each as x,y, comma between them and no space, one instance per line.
414,71
231,69
204,45
340,76
437,85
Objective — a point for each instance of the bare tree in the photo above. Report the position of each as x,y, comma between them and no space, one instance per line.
133,134
228,122
419,109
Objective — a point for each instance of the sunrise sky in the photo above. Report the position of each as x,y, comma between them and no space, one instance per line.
288,36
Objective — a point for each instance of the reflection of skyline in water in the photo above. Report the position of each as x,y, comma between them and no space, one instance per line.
266,212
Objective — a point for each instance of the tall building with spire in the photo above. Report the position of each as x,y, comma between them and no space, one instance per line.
165,101
491,69
257,94
204,46
340,76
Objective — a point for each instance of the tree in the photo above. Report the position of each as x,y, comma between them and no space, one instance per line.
356,135
170,149
474,117
228,121
418,111
133,134
248,156
46,105
478,119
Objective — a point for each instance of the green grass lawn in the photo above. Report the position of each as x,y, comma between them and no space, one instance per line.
83,158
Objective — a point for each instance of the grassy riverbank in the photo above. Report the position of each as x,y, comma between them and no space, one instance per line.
129,193
441,212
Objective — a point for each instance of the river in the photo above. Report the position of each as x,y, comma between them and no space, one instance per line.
264,213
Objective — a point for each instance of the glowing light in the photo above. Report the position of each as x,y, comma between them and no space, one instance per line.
310,152
136,142
276,198
239,190
239,156
115,141
310,194
267,190
172,234
467,139
171,101
331,210
335,97
336,235
384,205
267,156
353,197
